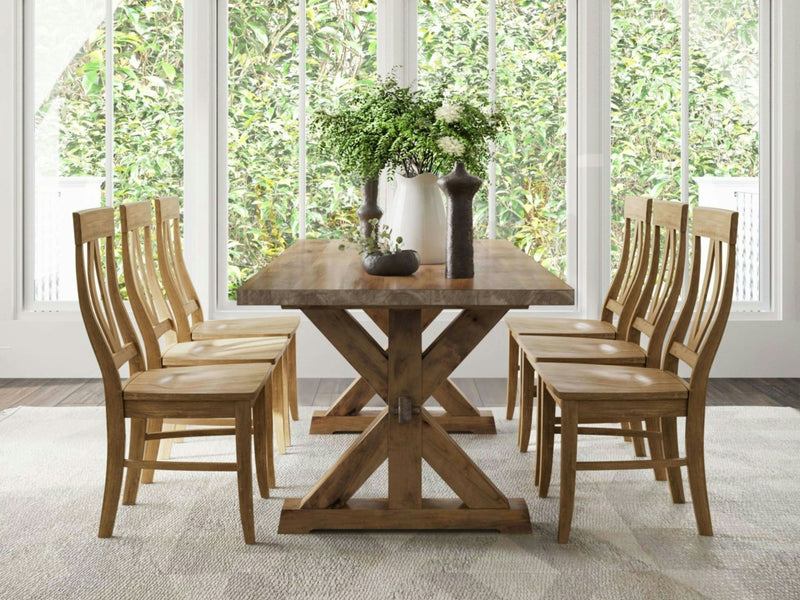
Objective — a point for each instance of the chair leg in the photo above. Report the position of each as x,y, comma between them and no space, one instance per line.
291,367
656,448
115,460
513,373
136,452
638,443
569,455
525,406
537,473
547,439
269,440
625,425
244,470
277,409
697,477
287,430
151,448
165,446
669,430
263,452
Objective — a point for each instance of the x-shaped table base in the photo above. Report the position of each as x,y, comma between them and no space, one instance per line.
348,415
405,434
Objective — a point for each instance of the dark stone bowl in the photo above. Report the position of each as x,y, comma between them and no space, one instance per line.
401,264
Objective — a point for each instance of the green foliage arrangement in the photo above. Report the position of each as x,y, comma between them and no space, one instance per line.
378,242
436,129
356,133
421,131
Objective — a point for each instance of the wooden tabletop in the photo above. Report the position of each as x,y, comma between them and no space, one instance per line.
315,273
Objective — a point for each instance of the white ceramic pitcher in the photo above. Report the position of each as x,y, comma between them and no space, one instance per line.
419,217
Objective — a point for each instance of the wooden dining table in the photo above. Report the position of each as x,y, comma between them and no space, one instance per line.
325,282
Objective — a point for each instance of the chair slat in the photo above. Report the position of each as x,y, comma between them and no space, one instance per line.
684,353
153,315
124,354
175,276
100,300
626,285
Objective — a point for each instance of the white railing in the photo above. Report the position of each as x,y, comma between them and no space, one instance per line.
742,194
747,283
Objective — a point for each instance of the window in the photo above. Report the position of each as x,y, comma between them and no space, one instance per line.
287,58
283,63
514,52
690,84
104,116
89,143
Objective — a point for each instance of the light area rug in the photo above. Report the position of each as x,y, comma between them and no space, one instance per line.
183,539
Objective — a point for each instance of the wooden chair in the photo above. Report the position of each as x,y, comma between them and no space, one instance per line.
620,301
224,391
158,332
652,317
188,312
602,393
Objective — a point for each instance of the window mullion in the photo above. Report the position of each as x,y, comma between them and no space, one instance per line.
109,74
492,229
767,291
685,66
302,138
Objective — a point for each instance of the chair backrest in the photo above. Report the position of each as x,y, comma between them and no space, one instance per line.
183,298
108,325
626,287
701,323
141,280
662,287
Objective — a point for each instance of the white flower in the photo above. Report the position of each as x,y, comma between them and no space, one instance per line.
448,112
451,145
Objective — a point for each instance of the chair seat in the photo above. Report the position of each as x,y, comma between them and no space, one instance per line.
590,328
218,383
569,381
543,348
224,351
260,327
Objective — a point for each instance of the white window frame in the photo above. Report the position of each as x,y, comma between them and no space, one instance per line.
588,133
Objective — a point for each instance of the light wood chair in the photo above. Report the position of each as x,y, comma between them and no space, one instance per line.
652,317
159,335
188,312
602,393
226,391
619,304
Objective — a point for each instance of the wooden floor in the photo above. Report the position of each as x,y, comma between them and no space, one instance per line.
322,392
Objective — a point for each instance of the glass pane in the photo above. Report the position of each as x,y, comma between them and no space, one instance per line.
148,100
263,126
531,75
68,108
531,157
724,126
645,106
341,39
453,42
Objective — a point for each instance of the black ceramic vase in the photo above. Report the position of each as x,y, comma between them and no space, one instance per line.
369,208
460,188
399,264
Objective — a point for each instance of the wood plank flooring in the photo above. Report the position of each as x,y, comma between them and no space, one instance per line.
321,393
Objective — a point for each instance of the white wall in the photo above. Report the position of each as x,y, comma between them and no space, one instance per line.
55,344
